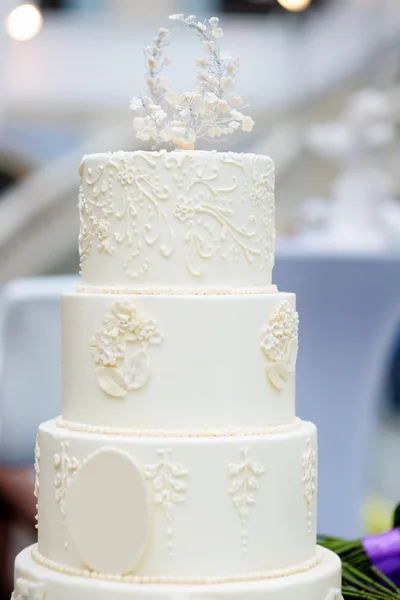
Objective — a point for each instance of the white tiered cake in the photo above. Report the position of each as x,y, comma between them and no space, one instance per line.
178,468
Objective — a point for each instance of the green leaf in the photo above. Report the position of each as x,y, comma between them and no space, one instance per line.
360,578
396,516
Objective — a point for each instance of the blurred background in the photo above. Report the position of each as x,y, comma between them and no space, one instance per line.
322,78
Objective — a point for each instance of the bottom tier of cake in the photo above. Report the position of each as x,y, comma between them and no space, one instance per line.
36,582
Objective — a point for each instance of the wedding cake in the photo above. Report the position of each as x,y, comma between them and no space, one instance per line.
178,469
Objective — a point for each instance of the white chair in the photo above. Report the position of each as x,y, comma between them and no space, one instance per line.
349,319
30,362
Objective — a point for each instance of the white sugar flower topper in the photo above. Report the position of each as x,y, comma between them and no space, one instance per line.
209,111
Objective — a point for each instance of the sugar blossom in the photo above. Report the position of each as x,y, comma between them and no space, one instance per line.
209,111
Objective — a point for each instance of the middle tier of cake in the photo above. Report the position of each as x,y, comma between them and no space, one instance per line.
179,362
185,509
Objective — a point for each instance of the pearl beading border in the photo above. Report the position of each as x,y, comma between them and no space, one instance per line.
177,433
159,291
163,579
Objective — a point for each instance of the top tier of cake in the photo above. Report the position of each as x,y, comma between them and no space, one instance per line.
182,219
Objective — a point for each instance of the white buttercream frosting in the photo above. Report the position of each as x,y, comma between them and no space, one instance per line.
187,219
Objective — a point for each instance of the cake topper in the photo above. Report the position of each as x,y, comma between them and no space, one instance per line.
209,111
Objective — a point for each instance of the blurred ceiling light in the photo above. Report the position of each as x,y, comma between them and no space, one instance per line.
295,5
24,22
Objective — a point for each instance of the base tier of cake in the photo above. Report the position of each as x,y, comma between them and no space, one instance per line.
321,582
177,507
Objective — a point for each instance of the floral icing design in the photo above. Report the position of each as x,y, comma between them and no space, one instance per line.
123,204
28,590
263,186
121,349
262,194
279,343
186,210
141,193
309,466
244,486
65,467
37,467
37,474
170,488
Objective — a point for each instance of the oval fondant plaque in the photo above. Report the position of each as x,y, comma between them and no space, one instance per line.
107,512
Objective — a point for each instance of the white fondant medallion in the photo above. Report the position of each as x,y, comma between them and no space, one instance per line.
108,500
243,488
121,350
279,342
28,590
